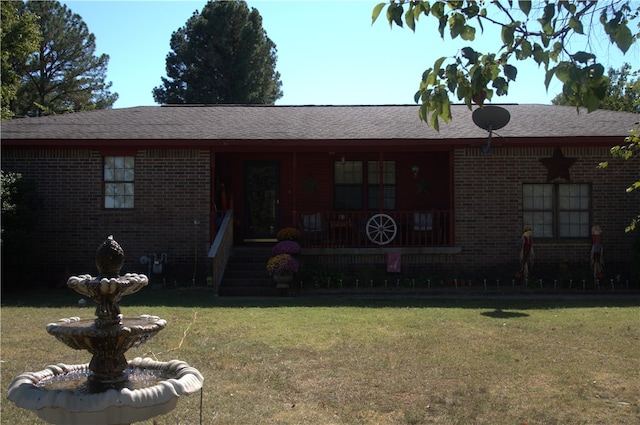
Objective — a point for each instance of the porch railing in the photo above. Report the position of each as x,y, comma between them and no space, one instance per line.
360,229
221,248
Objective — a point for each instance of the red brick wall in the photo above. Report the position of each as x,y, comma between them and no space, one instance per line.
172,189
488,209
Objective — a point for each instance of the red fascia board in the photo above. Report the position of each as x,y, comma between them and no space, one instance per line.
285,145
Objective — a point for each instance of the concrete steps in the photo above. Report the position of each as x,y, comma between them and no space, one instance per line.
246,273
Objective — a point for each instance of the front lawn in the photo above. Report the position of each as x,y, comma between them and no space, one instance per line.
341,360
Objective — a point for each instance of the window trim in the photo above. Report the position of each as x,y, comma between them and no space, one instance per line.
124,180
556,211
365,186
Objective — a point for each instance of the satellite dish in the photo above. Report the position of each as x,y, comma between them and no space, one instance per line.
490,118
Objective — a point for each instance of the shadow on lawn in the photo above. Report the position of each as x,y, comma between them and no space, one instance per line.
499,313
499,303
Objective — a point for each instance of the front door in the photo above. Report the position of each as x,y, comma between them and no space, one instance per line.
262,198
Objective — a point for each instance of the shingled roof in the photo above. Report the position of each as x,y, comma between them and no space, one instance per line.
262,122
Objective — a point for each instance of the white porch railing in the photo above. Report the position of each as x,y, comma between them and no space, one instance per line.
221,249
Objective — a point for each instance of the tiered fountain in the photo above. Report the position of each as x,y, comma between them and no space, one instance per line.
109,390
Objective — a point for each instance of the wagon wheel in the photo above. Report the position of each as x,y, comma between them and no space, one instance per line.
381,229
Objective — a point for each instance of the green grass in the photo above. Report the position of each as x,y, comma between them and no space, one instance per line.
369,360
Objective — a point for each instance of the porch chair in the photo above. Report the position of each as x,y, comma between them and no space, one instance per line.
312,226
423,227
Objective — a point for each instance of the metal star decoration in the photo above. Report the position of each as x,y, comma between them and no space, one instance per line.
558,165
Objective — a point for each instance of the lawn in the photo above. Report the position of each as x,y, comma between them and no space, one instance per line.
357,360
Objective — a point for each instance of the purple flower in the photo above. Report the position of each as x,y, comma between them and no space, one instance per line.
281,264
286,247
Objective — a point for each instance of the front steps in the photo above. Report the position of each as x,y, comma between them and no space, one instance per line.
246,273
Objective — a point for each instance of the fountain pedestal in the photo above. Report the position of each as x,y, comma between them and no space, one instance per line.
109,390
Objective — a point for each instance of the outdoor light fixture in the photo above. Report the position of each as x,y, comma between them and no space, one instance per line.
342,160
415,170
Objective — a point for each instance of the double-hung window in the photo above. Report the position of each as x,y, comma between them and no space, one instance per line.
381,176
360,185
119,182
557,210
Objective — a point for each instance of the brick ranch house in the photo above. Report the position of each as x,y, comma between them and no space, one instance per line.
182,186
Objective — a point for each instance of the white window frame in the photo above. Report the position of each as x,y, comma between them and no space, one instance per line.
557,210
119,183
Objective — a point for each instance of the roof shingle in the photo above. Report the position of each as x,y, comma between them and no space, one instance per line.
263,122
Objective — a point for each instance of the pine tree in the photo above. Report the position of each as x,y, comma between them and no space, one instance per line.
20,37
64,74
221,55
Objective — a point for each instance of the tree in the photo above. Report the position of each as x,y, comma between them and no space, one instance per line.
63,74
622,94
530,31
222,55
20,37
19,214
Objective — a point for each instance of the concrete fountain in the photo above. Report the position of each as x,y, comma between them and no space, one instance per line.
109,390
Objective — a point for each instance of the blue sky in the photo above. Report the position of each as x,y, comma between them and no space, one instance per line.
328,51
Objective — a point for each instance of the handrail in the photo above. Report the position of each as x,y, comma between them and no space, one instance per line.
349,229
221,249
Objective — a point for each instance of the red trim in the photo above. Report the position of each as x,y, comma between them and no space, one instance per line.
273,145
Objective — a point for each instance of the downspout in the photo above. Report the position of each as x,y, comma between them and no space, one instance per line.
213,213
294,190
380,181
452,188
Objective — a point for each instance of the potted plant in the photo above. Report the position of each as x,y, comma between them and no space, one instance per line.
286,247
282,267
288,234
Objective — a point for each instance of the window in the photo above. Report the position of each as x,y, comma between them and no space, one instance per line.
388,170
353,184
557,210
348,179
118,181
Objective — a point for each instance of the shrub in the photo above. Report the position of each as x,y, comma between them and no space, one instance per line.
288,234
286,247
281,264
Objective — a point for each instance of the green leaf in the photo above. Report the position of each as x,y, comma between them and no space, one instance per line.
394,14
456,24
376,12
442,25
525,6
623,38
438,64
501,86
470,54
563,71
468,33
525,50
510,72
437,9
576,25
507,35
596,70
410,20
546,20
548,77
583,57
592,102
540,55
434,122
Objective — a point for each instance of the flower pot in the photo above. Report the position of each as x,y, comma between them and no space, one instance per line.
283,280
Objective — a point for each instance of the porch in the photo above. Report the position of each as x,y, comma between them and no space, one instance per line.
367,229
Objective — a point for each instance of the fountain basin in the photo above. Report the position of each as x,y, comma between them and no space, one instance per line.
38,391
84,334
